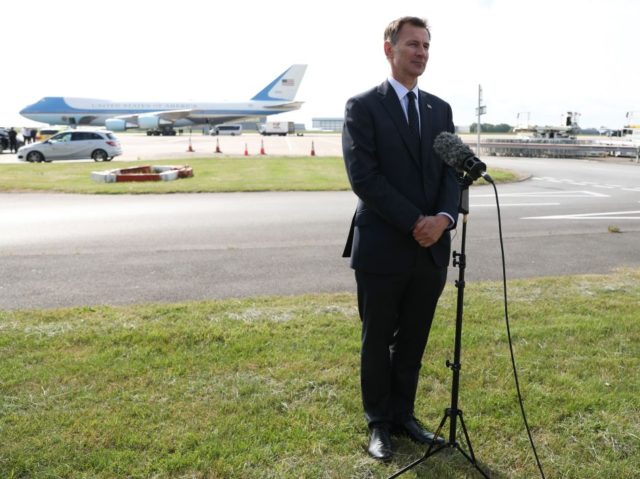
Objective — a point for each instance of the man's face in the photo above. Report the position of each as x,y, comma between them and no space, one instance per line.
409,56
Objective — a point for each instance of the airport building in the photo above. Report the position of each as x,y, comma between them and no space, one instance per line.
330,124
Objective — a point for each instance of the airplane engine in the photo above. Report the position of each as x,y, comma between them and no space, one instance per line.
115,124
148,122
151,122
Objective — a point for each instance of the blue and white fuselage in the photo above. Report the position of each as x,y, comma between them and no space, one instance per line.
277,97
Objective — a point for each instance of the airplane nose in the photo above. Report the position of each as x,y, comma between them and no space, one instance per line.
27,109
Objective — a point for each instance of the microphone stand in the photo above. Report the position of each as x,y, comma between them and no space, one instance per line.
453,413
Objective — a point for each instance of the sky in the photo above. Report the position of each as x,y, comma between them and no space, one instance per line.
537,58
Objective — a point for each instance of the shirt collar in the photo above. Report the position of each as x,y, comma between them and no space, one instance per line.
400,89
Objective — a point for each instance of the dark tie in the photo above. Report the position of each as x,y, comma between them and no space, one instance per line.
414,123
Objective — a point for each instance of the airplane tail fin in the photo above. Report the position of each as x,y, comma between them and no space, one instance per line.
284,87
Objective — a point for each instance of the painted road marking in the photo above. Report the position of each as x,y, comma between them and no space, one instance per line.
547,194
551,179
539,194
515,204
612,215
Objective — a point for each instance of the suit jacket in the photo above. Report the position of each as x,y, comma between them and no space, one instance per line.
397,177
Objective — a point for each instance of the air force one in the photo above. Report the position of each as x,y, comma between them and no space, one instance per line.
276,97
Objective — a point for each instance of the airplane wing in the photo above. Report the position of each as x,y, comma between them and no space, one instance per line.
290,105
218,120
158,119
167,115
153,119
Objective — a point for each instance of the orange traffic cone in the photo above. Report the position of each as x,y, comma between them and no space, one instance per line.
246,150
218,150
190,149
313,149
262,147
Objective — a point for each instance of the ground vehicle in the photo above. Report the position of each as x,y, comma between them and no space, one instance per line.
99,145
164,131
45,134
228,129
281,128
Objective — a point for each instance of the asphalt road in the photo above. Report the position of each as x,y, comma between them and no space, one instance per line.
73,250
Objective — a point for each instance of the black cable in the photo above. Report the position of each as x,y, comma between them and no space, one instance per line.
506,318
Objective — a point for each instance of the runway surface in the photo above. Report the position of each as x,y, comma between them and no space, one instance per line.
73,250
139,147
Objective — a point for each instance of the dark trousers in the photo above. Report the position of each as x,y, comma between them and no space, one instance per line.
396,312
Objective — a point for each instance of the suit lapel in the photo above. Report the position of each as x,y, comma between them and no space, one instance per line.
391,103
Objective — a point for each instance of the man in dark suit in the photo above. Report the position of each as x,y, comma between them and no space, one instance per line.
399,240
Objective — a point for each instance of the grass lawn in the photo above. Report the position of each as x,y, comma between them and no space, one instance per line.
269,388
210,175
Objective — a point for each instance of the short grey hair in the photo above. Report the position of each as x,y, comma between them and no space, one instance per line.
392,30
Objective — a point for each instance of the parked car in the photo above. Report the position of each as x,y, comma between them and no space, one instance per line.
46,133
99,145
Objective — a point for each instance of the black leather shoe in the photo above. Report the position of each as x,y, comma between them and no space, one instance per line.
416,432
380,443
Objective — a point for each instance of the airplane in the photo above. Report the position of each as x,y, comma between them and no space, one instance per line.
567,129
161,118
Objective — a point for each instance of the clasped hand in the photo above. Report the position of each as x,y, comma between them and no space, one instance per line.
429,229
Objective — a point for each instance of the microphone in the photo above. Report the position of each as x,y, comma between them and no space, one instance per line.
455,153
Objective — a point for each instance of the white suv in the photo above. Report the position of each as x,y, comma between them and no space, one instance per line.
99,145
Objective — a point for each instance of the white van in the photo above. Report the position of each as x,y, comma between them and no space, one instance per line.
232,130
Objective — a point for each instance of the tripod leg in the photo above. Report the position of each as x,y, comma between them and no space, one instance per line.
429,452
471,456
441,425
466,436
